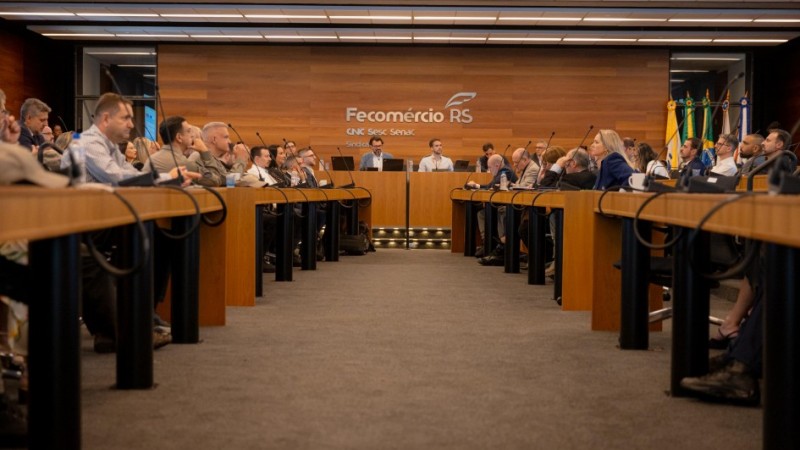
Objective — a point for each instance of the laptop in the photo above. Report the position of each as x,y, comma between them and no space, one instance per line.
342,163
461,165
393,165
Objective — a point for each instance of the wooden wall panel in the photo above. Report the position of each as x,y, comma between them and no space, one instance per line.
300,93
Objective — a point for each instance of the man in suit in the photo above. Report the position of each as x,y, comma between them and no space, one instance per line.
375,157
527,170
575,169
690,153
539,149
33,118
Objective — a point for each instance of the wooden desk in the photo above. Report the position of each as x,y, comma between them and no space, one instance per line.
430,206
52,219
239,231
770,219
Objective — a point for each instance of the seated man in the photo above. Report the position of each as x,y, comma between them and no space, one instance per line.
436,162
724,147
498,170
181,148
573,170
374,159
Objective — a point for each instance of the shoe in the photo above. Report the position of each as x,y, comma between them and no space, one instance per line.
104,344
721,341
550,271
267,268
718,362
159,322
296,261
734,384
479,252
161,338
498,252
491,261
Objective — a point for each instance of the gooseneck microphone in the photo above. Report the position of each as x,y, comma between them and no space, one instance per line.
352,181
63,123
322,164
262,140
504,155
549,139
238,135
591,127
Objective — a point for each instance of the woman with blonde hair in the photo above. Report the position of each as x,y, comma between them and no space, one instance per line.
614,167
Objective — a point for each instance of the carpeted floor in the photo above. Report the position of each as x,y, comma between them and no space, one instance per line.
406,349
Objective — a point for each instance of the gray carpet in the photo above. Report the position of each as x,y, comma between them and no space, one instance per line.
406,349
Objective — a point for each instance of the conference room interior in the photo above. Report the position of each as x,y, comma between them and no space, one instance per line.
415,345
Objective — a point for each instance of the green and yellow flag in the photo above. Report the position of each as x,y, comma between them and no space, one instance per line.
689,130
709,154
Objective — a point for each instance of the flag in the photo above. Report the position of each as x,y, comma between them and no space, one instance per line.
744,120
709,154
688,117
726,117
673,140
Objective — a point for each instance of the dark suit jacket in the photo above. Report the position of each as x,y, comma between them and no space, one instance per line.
28,140
580,180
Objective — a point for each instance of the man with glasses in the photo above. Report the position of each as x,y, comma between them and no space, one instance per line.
527,170
376,156
724,147
180,147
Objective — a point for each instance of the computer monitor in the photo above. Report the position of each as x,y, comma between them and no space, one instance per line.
461,165
393,165
342,163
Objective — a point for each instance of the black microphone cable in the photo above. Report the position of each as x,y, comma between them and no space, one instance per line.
144,253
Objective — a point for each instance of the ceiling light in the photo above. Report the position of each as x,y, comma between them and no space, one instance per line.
115,15
541,19
675,80
710,58
286,36
621,19
370,17
149,66
77,34
448,38
226,36
285,16
33,13
456,18
379,38
713,20
575,39
688,71
149,75
777,20
162,36
752,41
122,53
204,16
527,39
676,40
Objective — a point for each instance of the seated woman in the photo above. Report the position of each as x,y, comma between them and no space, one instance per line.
608,152
277,158
648,162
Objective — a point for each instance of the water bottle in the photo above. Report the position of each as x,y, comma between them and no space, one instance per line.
503,182
478,166
410,165
295,178
77,155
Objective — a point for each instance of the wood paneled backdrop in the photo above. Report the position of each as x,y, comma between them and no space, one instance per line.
301,93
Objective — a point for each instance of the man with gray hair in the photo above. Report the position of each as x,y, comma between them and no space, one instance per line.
227,159
724,147
32,120
573,170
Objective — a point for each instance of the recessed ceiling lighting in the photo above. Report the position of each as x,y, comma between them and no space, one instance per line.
526,39
543,19
778,20
449,38
149,75
456,18
285,16
575,39
137,65
286,36
712,20
226,36
676,80
370,17
115,15
753,41
161,36
34,13
122,53
204,16
377,38
676,40
688,71
77,34
622,19
710,58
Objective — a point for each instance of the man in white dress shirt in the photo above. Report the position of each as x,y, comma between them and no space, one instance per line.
435,162
724,147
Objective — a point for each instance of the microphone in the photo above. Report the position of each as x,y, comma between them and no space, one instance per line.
352,181
773,179
591,127
330,178
63,123
548,140
504,156
237,134
169,136
262,141
526,145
